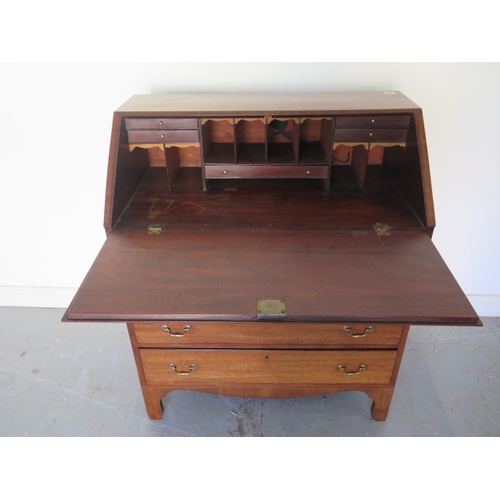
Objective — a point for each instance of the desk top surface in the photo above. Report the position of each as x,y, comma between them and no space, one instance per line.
266,103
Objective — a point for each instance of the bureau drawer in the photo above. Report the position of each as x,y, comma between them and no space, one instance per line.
383,121
252,367
265,171
160,123
162,136
266,334
370,135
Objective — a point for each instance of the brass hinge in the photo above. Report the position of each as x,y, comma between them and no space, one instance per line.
381,229
155,228
269,309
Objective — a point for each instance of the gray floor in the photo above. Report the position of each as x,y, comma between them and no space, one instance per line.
67,379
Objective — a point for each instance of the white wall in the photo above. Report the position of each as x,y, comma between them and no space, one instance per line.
55,126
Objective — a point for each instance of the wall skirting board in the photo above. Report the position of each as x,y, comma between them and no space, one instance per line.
487,306
36,296
58,297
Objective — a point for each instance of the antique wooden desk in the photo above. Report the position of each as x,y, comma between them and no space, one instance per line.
269,245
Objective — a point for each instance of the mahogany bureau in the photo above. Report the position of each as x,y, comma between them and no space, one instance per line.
269,245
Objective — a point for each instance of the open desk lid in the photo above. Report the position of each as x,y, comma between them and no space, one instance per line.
334,276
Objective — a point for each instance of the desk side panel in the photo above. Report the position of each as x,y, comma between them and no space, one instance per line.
126,169
410,171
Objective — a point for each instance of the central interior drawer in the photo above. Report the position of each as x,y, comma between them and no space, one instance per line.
259,171
214,334
251,367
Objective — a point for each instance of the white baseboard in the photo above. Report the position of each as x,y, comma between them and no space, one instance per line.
487,306
24,296
35,296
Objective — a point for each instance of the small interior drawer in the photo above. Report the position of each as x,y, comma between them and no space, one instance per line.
370,135
162,136
160,123
383,121
247,334
252,367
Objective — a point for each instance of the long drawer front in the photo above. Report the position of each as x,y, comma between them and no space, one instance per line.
250,367
208,334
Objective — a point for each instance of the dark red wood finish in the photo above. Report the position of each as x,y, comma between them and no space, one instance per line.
345,248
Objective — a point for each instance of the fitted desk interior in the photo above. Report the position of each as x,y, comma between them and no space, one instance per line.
269,245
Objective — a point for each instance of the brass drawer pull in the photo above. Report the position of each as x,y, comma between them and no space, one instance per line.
360,369
348,329
174,367
186,329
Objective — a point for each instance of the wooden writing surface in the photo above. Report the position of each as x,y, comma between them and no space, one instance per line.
322,275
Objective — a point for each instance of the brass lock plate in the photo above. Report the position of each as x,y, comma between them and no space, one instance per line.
271,309
381,229
155,228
